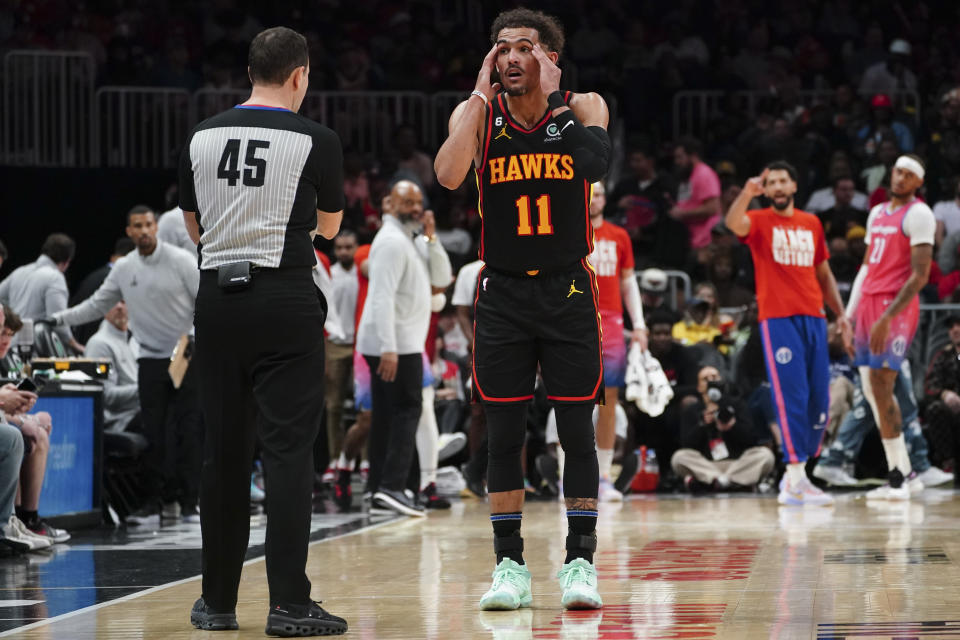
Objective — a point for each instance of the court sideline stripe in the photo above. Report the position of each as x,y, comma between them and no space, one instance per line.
161,587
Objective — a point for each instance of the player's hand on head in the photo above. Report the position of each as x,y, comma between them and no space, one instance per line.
549,72
486,73
754,186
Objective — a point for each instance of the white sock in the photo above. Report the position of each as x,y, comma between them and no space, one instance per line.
428,440
344,464
896,452
796,473
561,458
605,459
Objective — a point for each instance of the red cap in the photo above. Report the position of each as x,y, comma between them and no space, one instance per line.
881,100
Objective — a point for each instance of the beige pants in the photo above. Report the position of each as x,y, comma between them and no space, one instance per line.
745,471
339,384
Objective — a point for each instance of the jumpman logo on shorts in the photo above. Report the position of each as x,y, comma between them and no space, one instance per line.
503,134
573,288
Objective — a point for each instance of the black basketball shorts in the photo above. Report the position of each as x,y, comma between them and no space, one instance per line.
551,320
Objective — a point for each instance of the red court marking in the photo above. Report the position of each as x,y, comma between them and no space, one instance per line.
628,621
681,560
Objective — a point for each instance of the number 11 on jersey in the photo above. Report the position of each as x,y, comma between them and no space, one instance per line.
544,225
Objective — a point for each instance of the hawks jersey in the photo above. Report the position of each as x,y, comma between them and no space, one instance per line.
535,209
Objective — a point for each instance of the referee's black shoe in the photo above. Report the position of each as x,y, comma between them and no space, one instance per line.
292,621
202,616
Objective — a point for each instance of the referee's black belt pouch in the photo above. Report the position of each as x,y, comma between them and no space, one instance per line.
234,276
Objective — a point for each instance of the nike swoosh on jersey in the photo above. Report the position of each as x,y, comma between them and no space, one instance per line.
566,125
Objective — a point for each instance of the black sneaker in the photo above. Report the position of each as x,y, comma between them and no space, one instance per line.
549,470
628,469
289,621
431,500
342,492
694,486
203,617
397,501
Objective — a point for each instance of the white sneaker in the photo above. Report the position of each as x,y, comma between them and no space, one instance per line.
833,475
450,481
450,444
914,484
170,511
510,589
578,579
608,493
934,476
16,531
804,494
886,492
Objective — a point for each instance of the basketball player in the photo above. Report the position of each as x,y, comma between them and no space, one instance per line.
793,281
612,258
535,151
895,268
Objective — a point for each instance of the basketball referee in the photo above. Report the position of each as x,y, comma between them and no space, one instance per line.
255,182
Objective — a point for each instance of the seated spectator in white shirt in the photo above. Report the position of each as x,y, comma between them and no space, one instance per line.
113,341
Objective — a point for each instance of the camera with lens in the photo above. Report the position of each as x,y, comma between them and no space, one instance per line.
719,393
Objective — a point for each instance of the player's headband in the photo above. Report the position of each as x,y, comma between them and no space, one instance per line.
911,165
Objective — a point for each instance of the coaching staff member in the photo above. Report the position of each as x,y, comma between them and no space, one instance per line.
255,182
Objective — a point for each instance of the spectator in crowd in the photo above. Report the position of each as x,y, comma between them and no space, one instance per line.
882,125
92,282
826,197
843,215
877,176
158,282
411,159
719,447
942,399
698,196
722,274
121,399
947,213
39,290
35,429
391,337
701,322
339,350
893,75
641,200
653,290
356,191
173,230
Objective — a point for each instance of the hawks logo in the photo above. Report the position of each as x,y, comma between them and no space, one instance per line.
531,166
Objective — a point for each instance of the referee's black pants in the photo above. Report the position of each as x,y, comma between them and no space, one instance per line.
393,427
260,359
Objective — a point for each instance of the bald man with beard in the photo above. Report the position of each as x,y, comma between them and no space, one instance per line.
407,265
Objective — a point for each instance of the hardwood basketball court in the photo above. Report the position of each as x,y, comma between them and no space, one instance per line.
737,567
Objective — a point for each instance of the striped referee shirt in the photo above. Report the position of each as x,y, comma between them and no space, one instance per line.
255,176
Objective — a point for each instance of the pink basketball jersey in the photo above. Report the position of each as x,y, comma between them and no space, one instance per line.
889,251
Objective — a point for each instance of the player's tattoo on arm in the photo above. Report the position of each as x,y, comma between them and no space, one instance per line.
581,504
920,258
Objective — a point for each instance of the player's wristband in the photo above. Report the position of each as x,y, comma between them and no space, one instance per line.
555,100
480,94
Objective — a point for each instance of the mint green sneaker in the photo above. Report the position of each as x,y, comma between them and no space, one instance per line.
578,579
510,589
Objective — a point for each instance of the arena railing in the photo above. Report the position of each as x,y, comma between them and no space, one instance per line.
141,127
694,111
48,107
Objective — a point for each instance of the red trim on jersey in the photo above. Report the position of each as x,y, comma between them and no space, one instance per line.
473,360
480,205
486,144
595,289
516,126
590,232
